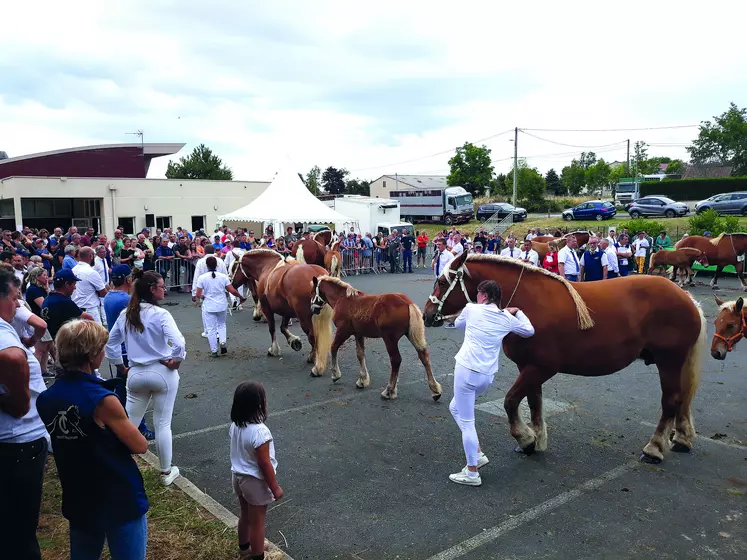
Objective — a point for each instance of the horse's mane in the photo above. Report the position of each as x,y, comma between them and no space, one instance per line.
716,240
263,251
349,290
584,319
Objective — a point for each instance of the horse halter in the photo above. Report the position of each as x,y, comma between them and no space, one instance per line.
458,278
732,340
317,302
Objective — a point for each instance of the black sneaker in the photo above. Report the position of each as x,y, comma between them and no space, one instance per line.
223,349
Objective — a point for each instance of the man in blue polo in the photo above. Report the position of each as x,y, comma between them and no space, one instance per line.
58,307
593,263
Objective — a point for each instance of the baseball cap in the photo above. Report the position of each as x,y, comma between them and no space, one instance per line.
65,275
121,271
706,233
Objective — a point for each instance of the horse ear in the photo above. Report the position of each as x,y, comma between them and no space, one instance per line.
460,260
719,301
740,303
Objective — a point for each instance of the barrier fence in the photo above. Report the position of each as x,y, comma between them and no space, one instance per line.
177,273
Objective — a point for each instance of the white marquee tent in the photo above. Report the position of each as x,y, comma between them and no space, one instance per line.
285,201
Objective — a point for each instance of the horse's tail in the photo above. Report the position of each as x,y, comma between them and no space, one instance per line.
322,326
299,254
691,369
416,332
334,269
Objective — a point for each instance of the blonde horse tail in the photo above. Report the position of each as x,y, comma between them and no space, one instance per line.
322,326
299,255
691,374
416,332
334,269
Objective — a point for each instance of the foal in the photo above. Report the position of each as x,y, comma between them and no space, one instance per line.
387,316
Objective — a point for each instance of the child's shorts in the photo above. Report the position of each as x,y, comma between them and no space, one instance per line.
254,490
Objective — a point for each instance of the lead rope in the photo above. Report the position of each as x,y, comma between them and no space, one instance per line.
518,281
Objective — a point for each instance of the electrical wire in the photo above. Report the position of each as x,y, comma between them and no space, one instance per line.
570,145
611,129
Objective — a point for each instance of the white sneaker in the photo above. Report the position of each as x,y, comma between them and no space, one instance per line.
482,460
167,479
204,335
462,477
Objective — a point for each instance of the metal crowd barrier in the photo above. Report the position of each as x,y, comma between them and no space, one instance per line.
358,261
177,273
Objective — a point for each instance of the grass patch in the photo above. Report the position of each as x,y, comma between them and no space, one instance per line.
177,527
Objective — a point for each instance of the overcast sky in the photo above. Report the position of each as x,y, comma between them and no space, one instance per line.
366,86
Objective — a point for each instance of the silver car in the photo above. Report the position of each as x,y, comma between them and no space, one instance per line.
657,206
726,203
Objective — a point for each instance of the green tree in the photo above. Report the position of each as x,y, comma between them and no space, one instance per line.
471,168
531,184
333,180
312,180
573,177
652,165
553,183
358,186
723,141
617,172
598,175
640,155
587,159
202,163
499,185
676,167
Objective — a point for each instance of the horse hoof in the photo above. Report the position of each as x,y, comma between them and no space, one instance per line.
679,447
336,379
314,373
296,345
649,459
528,450
436,397
359,385
257,319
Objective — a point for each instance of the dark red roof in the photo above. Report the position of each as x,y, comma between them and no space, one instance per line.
112,160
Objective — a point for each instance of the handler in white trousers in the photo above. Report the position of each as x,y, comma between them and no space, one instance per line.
200,269
155,349
211,288
476,363
234,255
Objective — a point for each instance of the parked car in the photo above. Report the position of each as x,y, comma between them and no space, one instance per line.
656,206
502,209
726,203
591,210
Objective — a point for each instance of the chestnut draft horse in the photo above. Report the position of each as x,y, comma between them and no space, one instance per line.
387,316
659,323
285,288
731,327
333,260
312,251
726,249
681,260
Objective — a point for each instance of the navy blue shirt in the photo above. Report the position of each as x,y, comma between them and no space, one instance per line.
58,310
101,484
34,292
592,263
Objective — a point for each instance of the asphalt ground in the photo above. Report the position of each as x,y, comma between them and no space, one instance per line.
367,479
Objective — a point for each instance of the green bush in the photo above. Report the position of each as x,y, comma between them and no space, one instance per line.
694,189
712,222
652,227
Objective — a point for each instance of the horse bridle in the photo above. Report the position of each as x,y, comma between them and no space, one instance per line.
317,300
732,340
458,279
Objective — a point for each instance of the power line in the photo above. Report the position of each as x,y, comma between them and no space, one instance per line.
570,145
450,150
611,129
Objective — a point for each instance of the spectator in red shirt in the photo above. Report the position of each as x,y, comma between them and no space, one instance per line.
422,241
550,261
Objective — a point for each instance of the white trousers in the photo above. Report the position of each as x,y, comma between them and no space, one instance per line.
157,382
468,385
96,313
215,327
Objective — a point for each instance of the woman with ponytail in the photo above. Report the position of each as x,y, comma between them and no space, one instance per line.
155,348
211,288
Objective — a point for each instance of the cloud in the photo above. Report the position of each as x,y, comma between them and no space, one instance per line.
362,86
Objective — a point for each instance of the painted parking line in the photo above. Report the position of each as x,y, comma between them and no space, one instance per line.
496,532
548,407
706,439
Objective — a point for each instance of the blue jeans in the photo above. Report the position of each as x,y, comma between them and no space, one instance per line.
623,270
571,277
407,257
126,542
611,275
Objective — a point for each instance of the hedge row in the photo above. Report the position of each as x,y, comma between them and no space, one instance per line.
694,189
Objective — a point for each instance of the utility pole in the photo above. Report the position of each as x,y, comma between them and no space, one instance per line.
516,161
627,160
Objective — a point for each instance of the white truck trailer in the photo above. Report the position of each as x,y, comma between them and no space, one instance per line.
372,215
449,205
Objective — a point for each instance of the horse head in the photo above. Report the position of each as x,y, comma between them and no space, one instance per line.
730,327
450,292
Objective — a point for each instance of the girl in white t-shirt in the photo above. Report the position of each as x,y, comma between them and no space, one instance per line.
253,466
211,288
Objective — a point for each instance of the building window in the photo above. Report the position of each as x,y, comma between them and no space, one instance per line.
198,223
127,225
384,184
163,222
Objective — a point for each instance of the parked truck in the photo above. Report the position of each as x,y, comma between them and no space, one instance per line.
448,205
370,215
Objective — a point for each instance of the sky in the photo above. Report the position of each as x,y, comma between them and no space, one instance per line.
382,88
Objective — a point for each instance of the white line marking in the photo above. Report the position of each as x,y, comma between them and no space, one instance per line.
706,439
498,531
548,407
186,486
303,407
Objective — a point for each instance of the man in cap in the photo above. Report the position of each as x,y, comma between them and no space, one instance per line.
58,307
115,302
